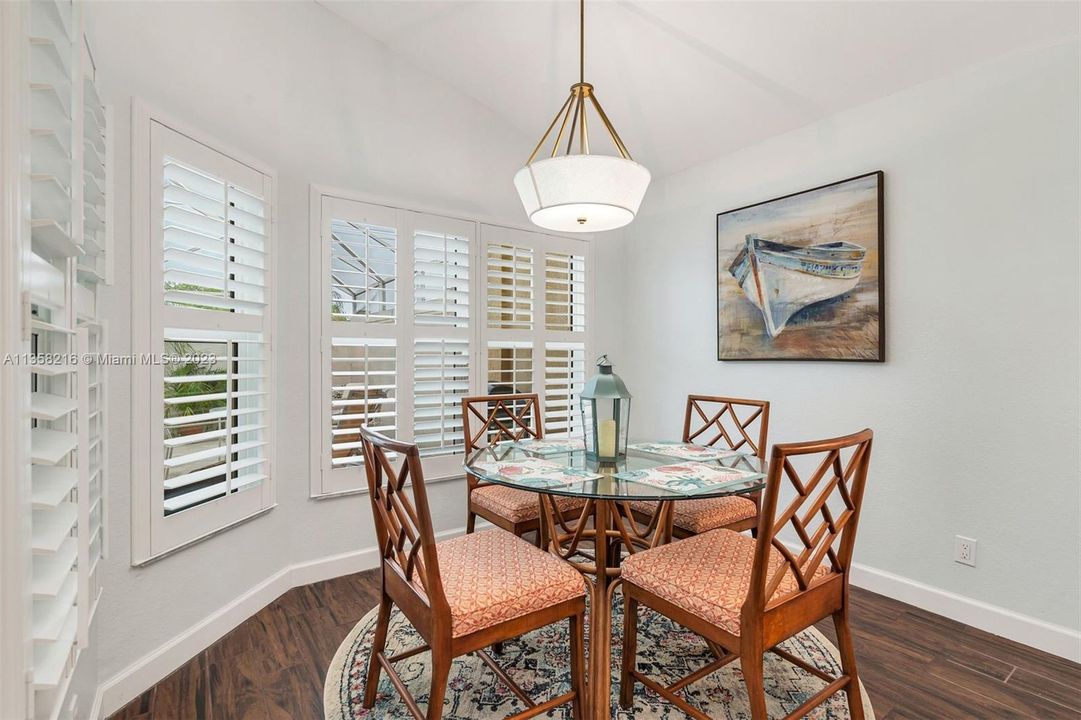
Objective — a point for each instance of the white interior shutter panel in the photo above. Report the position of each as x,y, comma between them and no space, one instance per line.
510,287
364,391
564,376
441,279
214,243
510,367
440,381
215,416
58,495
564,292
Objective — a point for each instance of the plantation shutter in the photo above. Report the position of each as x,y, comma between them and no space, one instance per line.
440,381
215,243
56,493
396,341
441,279
510,367
564,376
63,260
212,217
536,335
510,287
564,292
364,391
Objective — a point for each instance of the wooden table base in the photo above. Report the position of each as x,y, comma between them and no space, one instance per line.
613,529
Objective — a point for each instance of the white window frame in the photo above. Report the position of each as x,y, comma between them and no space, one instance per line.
327,481
153,533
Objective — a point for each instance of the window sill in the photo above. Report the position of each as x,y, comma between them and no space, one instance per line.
206,536
364,490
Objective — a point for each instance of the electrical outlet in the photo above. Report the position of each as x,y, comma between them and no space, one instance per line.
964,550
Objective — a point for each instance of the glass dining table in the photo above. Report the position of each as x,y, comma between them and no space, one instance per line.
611,520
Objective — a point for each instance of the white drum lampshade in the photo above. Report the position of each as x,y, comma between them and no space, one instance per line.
582,193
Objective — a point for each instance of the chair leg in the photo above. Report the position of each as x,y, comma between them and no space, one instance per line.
578,661
440,674
630,651
751,662
848,664
470,521
379,643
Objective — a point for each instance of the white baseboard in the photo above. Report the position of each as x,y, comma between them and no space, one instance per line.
150,669
1055,639
155,666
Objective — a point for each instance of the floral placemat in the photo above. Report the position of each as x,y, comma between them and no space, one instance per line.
545,448
686,478
536,473
688,451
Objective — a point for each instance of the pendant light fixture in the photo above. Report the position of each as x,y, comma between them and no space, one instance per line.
574,190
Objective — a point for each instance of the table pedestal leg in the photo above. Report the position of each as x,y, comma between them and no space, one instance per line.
600,633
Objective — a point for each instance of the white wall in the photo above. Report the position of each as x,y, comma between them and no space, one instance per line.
976,411
295,87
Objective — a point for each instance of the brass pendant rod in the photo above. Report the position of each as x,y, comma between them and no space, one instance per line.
574,120
611,130
575,109
566,117
533,155
583,145
582,41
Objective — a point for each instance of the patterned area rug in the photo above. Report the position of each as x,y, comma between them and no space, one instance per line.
538,662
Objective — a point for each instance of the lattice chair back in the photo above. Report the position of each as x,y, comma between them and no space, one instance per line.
828,478
403,519
733,421
488,419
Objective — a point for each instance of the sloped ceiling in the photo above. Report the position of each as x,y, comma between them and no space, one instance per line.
688,81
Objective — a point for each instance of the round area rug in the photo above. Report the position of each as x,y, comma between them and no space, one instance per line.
538,662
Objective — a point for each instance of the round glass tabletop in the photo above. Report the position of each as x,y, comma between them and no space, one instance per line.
638,476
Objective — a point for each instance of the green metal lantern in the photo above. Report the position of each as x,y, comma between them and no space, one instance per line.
606,414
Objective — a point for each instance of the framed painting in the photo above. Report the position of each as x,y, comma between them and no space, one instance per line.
800,277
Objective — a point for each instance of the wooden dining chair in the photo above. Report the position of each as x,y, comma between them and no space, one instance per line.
746,595
463,594
736,424
489,419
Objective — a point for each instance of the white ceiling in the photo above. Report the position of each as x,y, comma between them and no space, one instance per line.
684,82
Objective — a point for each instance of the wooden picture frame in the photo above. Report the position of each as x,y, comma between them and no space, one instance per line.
802,276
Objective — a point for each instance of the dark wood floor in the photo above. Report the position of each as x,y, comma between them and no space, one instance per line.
914,664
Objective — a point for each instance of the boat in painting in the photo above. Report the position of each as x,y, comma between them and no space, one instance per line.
780,280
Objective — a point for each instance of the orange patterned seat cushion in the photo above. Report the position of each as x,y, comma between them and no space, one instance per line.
517,505
701,516
493,576
708,575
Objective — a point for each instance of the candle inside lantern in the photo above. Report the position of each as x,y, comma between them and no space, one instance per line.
606,438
